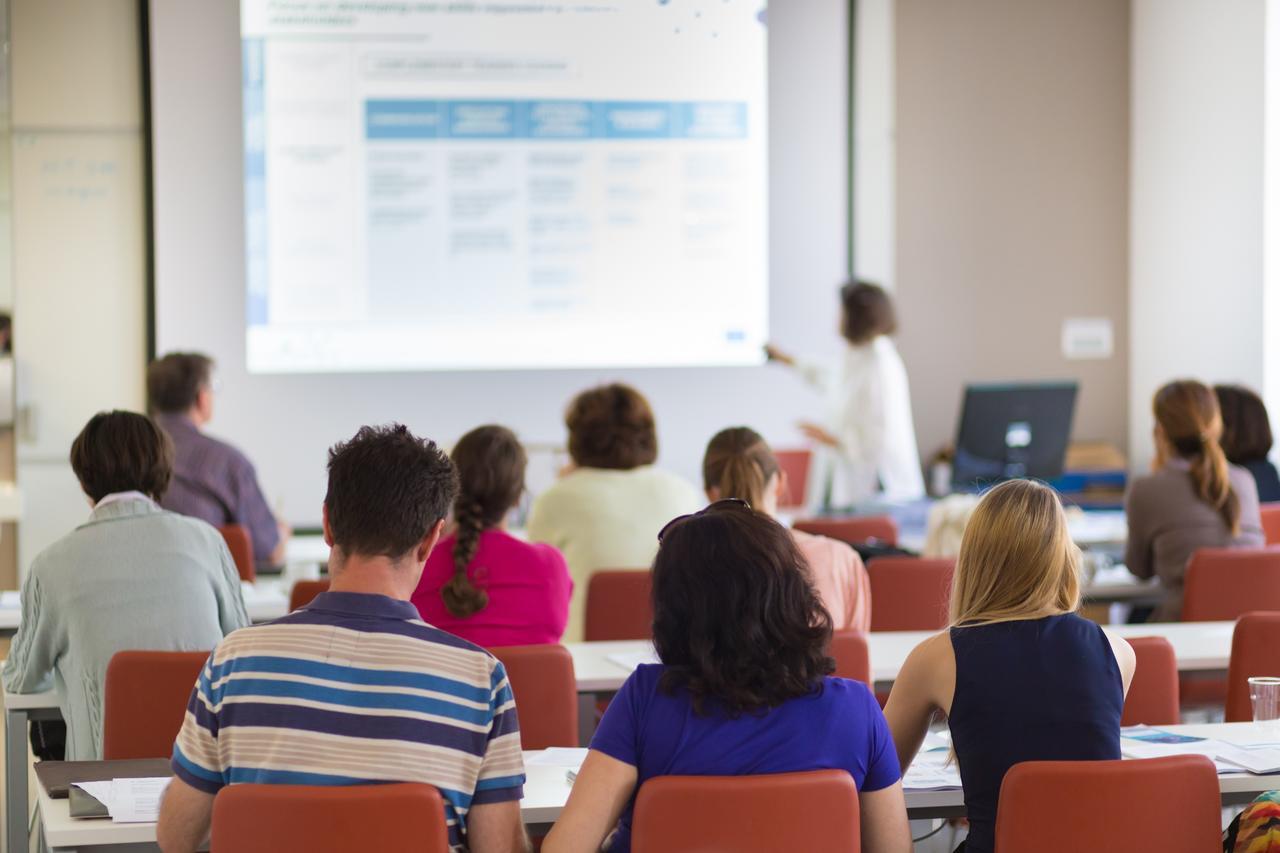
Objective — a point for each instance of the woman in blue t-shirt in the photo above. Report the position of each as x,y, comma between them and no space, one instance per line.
743,687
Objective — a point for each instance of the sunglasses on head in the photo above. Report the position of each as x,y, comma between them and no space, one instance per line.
723,503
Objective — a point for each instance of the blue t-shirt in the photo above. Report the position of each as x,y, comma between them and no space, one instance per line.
840,727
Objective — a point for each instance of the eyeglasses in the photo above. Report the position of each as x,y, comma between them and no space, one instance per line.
723,503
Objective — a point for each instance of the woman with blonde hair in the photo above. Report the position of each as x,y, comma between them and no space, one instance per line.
1019,674
739,464
1194,498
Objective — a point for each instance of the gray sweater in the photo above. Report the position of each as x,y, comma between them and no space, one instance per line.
1168,522
133,577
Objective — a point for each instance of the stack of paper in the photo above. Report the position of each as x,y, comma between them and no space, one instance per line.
129,800
932,771
1262,760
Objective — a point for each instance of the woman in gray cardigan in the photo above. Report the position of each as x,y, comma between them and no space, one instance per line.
132,577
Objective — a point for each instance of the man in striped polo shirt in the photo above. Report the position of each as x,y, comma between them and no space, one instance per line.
355,688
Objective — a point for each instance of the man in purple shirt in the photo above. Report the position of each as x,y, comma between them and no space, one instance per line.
211,479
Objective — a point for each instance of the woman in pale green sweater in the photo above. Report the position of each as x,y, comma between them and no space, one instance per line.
132,577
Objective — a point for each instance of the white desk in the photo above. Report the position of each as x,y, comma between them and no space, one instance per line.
547,790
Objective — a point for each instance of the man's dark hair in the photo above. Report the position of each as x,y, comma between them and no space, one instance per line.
868,312
611,427
122,452
735,619
1246,429
174,382
387,488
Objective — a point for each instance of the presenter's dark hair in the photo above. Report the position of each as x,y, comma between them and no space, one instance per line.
174,382
735,619
611,427
122,452
491,465
1246,429
387,489
868,312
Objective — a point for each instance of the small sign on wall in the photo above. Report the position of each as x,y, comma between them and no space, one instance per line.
1087,338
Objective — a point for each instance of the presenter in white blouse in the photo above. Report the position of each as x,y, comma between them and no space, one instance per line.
867,442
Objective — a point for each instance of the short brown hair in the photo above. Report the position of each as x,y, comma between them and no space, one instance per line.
1246,429
868,312
174,382
122,452
611,427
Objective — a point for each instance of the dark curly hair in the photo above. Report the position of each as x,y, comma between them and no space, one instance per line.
736,620
611,427
868,312
491,465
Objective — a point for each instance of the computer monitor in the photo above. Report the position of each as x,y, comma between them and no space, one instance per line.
1011,431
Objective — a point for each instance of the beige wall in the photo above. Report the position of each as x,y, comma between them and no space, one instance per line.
1012,188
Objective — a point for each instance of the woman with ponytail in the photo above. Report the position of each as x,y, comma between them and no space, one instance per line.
1193,499
481,583
739,464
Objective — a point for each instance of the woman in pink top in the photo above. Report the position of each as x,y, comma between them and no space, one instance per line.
739,464
480,582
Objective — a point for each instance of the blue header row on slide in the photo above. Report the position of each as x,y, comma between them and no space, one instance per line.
567,120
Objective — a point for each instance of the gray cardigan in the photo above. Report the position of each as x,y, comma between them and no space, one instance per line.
133,577
1168,521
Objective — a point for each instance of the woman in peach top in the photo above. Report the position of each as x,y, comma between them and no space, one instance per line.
739,464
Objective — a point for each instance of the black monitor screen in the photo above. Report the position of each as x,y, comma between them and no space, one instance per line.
1009,431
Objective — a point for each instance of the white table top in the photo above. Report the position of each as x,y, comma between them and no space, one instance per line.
547,790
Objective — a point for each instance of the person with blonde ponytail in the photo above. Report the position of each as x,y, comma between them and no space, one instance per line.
739,464
481,583
1193,499
1019,674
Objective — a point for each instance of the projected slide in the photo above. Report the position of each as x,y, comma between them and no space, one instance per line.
495,185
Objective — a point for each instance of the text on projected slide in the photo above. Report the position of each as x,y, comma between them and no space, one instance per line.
504,185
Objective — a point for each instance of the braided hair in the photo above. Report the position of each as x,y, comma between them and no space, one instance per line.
491,464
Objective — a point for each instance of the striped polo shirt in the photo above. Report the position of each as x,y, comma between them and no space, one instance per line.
354,689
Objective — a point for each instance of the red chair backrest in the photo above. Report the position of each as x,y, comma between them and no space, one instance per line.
546,693
304,592
1153,694
795,464
241,547
1255,650
1223,583
399,818
855,531
910,593
816,812
144,701
619,606
1271,522
1167,804
853,658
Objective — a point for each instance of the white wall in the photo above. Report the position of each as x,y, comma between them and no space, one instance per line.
78,241
1271,215
1196,200
287,422
873,143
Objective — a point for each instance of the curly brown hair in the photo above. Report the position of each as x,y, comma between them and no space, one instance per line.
611,427
736,620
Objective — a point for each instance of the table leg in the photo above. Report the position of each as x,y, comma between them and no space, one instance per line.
15,780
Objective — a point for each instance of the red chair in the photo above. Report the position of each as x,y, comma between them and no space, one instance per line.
855,531
795,464
144,701
399,818
1153,693
241,547
816,812
1271,522
1167,804
1223,583
853,659
546,693
910,593
1255,650
619,606
304,592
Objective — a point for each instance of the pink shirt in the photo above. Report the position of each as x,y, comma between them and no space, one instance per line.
840,578
529,590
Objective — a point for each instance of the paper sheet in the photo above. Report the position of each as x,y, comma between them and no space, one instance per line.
1262,760
558,756
129,800
630,660
930,771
